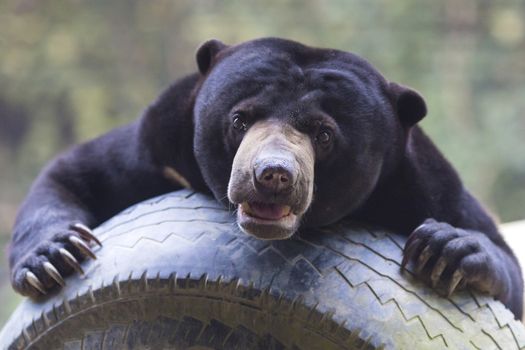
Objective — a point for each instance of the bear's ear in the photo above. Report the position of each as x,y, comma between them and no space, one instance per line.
410,106
206,53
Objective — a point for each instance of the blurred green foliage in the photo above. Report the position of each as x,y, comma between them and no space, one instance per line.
70,70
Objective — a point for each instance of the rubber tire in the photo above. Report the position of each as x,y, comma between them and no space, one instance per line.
176,273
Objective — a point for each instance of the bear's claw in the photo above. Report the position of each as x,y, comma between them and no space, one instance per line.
437,271
53,273
409,252
71,261
457,277
82,247
85,232
425,255
34,282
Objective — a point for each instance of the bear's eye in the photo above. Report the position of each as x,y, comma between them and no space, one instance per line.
324,137
239,122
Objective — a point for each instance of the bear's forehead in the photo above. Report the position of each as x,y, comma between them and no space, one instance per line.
288,63
266,66
292,75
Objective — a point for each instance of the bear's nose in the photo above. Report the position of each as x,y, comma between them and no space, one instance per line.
274,175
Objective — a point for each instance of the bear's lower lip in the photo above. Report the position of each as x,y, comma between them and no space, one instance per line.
267,221
265,211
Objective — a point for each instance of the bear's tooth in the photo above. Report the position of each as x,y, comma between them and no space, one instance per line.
245,206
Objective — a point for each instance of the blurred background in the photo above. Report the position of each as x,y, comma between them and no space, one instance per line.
70,70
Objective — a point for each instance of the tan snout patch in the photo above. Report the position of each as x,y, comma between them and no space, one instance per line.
271,138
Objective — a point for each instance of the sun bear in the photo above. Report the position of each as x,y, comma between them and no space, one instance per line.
292,136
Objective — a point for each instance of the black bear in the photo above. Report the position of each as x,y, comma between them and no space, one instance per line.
292,136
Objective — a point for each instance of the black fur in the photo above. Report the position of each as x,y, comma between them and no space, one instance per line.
382,168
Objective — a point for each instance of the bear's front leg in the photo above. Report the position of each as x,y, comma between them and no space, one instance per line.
452,257
79,189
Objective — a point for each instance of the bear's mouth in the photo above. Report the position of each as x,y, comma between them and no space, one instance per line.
267,220
265,211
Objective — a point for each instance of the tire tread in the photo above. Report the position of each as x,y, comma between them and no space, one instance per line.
361,262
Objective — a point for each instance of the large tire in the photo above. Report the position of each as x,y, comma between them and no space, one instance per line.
175,273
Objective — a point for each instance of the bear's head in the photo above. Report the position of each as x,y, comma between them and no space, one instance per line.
293,135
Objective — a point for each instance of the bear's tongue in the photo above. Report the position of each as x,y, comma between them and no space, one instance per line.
267,211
